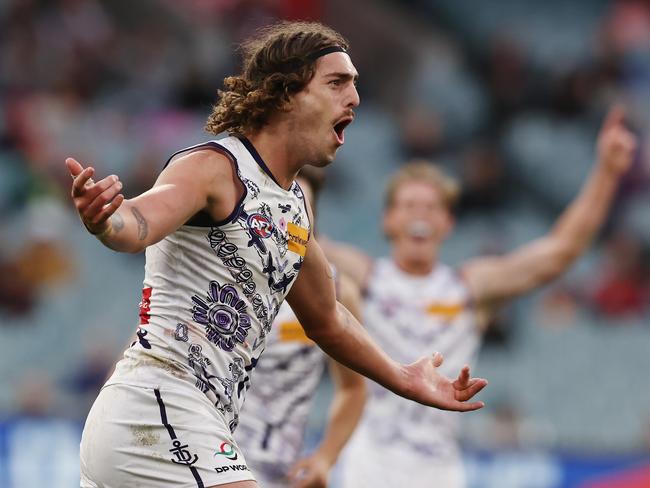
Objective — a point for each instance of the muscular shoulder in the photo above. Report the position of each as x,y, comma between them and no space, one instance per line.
207,164
211,173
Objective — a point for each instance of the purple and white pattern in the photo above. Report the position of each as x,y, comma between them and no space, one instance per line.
223,314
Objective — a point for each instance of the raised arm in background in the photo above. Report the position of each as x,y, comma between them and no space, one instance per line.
494,279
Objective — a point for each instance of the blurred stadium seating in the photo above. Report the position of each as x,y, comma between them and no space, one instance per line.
124,84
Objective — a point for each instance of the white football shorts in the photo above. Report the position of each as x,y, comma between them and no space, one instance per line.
141,437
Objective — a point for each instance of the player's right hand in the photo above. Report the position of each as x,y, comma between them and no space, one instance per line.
95,201
616,143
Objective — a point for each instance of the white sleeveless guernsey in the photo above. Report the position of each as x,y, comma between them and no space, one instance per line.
212,289
272,426
399,442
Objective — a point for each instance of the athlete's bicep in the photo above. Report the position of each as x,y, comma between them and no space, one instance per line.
313,296
201,180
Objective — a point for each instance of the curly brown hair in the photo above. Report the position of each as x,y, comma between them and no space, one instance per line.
277,63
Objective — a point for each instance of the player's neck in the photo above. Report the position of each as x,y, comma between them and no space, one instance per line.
274,147
414,264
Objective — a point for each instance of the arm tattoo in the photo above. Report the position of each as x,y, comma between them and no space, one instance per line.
118,222
143,226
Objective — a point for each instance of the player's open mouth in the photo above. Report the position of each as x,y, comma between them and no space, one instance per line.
419,230
339,128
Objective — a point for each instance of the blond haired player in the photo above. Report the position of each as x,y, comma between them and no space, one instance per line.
228,237
414,303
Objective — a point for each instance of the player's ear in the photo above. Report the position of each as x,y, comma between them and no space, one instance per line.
291,101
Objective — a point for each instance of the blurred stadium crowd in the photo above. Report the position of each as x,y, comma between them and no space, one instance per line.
507,96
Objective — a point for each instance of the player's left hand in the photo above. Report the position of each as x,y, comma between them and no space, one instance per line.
429,387
616,143
310,472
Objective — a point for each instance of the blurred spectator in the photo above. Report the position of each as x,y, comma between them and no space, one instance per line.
484,182
422,134
507,76
35,396
627,26
573,92
35,259
622,288
90,375
17,295
559,307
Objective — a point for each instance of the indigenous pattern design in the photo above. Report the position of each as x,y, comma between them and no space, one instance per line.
241,273
213,288
223,314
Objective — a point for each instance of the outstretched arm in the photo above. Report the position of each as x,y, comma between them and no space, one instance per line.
340,335
493,279
344,412
201,180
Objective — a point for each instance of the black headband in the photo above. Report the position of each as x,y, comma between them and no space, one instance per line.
326,50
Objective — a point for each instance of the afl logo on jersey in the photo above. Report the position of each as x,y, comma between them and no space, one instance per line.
260,224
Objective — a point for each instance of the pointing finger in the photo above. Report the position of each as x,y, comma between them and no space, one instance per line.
614,117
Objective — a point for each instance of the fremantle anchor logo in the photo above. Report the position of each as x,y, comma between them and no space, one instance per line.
183,456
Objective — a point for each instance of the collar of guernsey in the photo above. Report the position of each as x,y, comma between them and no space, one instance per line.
212,289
